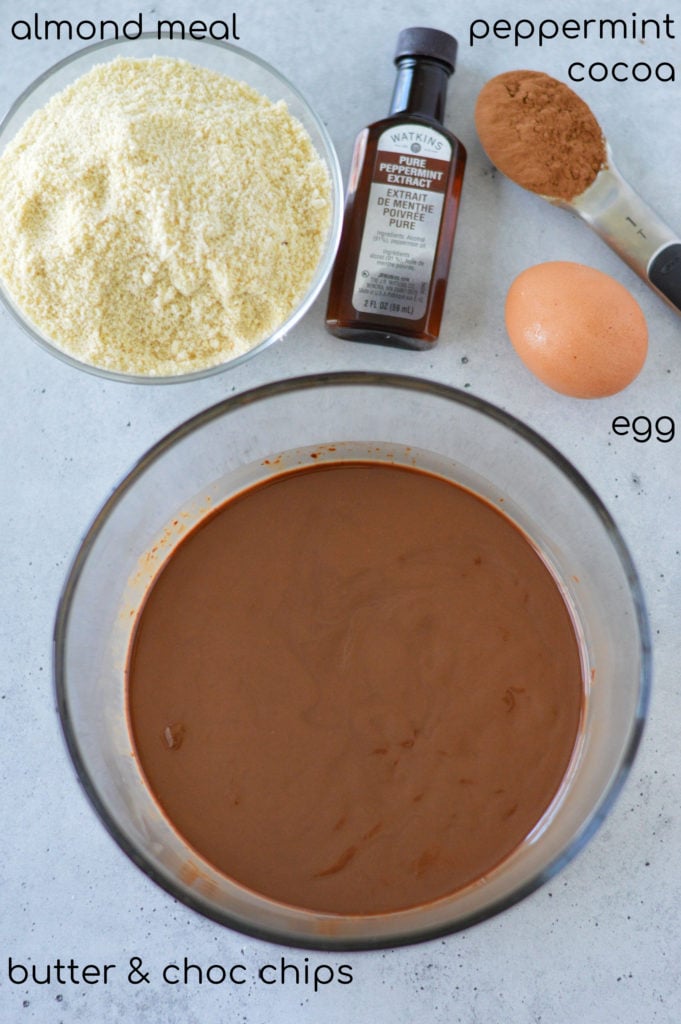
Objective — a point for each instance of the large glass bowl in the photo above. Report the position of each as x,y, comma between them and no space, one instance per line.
228,60
329,417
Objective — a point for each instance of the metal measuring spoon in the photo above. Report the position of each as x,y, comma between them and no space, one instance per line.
607,203
618,214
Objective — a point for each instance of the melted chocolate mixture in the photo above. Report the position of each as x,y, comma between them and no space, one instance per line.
355,688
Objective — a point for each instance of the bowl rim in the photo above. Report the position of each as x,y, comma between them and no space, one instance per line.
329,157
334,379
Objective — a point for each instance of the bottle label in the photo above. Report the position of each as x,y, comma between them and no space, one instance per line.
402,223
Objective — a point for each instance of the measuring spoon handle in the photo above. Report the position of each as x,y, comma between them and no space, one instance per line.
664,273
620,216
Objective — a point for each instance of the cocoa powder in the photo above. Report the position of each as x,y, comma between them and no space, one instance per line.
540,133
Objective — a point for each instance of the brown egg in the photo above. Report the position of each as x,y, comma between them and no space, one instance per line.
577,329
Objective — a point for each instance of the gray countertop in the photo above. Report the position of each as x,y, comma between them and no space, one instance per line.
601,942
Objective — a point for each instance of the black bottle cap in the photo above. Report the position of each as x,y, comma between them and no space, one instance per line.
427,42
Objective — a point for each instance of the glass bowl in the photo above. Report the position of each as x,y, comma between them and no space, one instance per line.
391,419
235,63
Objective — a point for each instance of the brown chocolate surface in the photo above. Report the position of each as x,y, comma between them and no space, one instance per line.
355,688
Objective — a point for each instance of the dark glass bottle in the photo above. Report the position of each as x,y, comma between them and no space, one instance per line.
390,275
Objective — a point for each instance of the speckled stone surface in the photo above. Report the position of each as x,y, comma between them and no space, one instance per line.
601,943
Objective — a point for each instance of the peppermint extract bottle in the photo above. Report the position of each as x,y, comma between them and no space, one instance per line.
390,275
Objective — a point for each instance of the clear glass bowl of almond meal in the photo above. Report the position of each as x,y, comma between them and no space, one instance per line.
169,208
